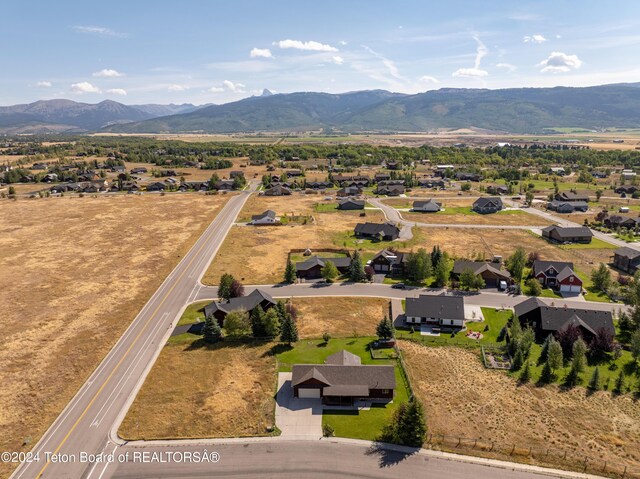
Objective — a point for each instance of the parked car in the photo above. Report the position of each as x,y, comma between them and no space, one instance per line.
399,286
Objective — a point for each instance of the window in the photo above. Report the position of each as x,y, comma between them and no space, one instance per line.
385,391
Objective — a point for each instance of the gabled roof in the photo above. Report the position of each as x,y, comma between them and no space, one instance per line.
565,273
372,229
344,358
440,307
627,252
244,303
569,232
352,202
479,267
340,262
488,202
429,205
312,373
371,377
542,265
391,256
267,214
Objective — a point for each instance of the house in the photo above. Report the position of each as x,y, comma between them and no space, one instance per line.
351,204
491,273
382,177
39,166
567,206
278,190
497,190
571,197
118,169
620,221
562,234
558,170
387,261
599,174
626,190
487,204
349,191
628,174
377,231
137,171
546,319
438,310
312,267
220,309
226,185
444,170
626,259
342,380
294,173
468,177
157,186
236,174
429,206
194,185
318,185
390,190
267,218
394,165
431,183
557,275
50,178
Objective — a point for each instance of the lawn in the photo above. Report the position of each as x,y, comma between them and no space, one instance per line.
596,243
298,257
346,239
354,424
193,314
75,273
326,207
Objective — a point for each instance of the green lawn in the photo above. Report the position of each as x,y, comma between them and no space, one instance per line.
346,239
193,314
326,207
596,243
315,351
592,293
549,293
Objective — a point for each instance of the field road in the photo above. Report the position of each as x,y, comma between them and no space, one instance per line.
88,424
84,425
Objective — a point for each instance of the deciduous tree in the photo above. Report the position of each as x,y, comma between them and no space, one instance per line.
224,288
329,272
237,323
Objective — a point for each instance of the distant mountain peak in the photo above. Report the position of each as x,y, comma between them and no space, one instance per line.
266,92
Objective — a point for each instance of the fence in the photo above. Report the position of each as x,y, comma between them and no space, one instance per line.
545,457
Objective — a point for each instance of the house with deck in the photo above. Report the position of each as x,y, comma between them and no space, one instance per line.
445,311
220,309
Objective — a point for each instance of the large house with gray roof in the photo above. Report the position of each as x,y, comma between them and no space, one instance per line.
564,234
428,206
491,273
557,275
626,259
487,204
342,380
312,267
377,231
441,310
220,309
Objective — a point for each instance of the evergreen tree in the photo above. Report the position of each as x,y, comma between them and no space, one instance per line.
257,319
384,330
574,375
601,278
412,427
620,383
329,272
271,323
525,375
554,355
594,382
470,281
237,323
290,272
547,374
281,308
578,357
436,254
289,330
211,330
634,345
356,268
442,270
517,360
224,288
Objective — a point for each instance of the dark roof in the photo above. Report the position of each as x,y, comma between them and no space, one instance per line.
371,229
569,232
245,303
344,358
542,265
487,202
555,204
372,377
441,307
565,273
627,252
352,201
556,318
340,262
392,257
429,205
347,390
266,214
571,196
479,267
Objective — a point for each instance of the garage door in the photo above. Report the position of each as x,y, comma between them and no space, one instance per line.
567,288
308,393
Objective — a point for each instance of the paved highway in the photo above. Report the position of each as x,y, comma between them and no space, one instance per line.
85,423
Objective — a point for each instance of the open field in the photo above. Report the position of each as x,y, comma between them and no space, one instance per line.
464,215
258,255
461,398
339,316
199,390
75,272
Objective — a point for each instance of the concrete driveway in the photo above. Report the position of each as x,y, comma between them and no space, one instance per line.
297,418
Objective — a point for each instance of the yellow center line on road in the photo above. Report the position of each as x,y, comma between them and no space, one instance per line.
66,437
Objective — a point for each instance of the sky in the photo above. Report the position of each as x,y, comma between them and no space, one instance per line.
199,52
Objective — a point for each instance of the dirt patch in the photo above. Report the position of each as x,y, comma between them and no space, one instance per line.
340,317
461,398
195,391
258,255
75,272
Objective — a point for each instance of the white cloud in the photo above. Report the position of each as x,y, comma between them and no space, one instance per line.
537,38
390,65
310,45
260,53
342,42
475,72
428,79
559,62
84,87
117,91
338,60
507,66
176,87
45,84
108,73
101,31
228,85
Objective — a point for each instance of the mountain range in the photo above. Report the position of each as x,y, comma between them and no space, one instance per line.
515,110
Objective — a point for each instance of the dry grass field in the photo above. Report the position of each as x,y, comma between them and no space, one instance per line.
75,272
229,393
340,317
258,254
461,398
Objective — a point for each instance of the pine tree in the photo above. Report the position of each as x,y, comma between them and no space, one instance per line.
574,375
620,383
257,320
329,272
594,382
384,330
356,268
412,429
579,358
224,288
290,272
545,349
517,360
547,374
271,323
525,375
289,330
554,355
211,330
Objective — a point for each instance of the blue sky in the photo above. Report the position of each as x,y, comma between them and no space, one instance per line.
215,52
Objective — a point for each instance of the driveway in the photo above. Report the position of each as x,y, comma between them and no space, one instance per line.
297,418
